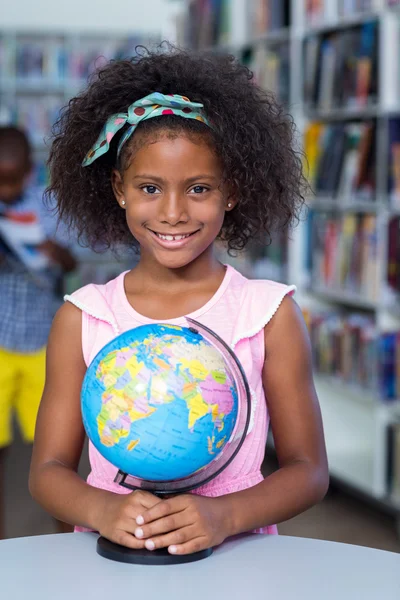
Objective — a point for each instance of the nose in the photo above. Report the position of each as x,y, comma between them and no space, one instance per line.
173,209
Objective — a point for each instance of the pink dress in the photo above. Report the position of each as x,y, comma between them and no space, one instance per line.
238,313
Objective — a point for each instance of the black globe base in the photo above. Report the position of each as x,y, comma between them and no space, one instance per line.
119,553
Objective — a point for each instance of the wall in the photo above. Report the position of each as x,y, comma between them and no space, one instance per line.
151,16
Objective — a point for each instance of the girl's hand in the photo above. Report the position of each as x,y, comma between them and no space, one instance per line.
184,524
118,517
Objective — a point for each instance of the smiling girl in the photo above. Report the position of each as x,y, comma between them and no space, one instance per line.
171,152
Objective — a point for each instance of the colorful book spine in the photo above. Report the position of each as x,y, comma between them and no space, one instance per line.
343,253
349,348
341,68
341,160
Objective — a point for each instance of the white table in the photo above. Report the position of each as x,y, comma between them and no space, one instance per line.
67,567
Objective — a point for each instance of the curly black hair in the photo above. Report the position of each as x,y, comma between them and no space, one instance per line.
251,133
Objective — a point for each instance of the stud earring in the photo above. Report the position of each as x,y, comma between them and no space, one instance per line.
123,202
229,204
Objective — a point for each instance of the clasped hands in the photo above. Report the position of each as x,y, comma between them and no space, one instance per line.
184,524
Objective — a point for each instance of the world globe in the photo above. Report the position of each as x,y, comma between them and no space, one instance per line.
167,405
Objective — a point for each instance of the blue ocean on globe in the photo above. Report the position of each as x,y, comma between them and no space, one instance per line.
160,402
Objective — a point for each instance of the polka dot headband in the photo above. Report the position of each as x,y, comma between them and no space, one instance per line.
153,105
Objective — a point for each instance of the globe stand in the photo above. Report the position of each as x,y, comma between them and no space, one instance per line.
113,551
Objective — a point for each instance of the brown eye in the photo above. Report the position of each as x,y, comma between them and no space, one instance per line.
199,189
150,189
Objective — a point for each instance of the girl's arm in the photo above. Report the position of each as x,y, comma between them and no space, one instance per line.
59,439
302,479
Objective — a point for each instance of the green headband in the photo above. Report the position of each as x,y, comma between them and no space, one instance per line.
153,105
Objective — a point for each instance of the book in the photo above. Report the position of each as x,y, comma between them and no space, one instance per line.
342,160
343,253
207,24
387,365
393,461
348,8
20,237
393,264
349,348
316,11
263,16
394,163
271,68
311,65
341,68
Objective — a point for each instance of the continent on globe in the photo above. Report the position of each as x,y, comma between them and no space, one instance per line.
166,402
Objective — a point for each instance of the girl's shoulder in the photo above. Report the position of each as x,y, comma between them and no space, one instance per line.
96,299
260,299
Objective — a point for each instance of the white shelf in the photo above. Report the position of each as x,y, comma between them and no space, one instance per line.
345,113
344,297
342,23
346,205
277,36
349,427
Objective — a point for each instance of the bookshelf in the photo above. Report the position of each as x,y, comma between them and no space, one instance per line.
338,60
39,72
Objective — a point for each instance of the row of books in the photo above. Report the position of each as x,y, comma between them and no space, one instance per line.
321,11
394,163
393,463
206,24
271,68
264,16
341,160
352,350
54,59
348,8
341,68
342,253
393,268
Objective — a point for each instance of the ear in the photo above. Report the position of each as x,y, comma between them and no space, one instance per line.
118,187
230,203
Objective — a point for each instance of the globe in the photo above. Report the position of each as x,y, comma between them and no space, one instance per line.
167,405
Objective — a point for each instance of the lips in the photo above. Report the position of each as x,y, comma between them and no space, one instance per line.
173,240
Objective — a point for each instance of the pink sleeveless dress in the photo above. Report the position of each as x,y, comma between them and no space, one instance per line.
238,313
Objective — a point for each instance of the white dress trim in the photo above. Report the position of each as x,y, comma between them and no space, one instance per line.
266,318
89,312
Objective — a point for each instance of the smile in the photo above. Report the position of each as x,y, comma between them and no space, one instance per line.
172,240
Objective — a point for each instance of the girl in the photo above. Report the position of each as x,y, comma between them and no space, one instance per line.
171,152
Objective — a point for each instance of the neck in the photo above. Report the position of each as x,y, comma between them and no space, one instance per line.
153,274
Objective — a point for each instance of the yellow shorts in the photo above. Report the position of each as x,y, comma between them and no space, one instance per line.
22,379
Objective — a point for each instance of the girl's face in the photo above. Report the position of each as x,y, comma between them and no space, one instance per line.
174,201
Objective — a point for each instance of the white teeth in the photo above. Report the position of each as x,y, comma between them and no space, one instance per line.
172,238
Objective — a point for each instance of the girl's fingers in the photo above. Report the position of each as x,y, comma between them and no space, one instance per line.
145,499
164,508
194,545
164,525
123,538
174,538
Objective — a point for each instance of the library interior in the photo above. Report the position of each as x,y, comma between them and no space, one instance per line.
332,66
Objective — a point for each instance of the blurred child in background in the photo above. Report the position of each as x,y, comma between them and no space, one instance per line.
28,300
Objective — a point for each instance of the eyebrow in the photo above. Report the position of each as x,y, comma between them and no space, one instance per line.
160,179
